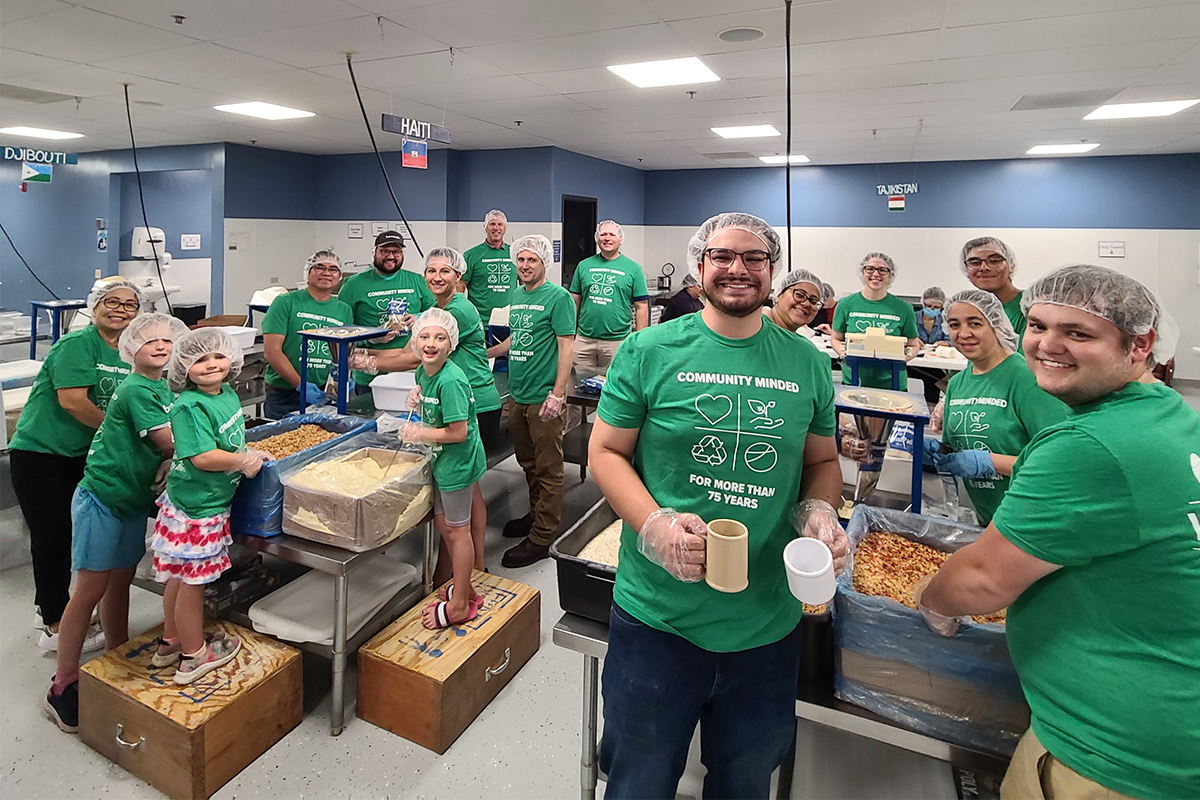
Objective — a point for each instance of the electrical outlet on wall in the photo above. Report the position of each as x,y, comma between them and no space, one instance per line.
189,241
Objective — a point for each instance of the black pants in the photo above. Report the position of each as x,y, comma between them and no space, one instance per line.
44,484
280,402
930,377
489,429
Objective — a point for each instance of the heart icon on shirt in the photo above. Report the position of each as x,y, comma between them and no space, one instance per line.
714,408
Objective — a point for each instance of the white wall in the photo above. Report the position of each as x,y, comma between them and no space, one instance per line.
193,276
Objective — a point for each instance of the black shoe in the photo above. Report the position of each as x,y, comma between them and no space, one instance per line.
524,554
518,528
64,709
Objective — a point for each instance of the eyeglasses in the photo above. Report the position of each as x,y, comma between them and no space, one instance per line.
327,268
801,297
390,251
723,258
112,304
877,270
994,260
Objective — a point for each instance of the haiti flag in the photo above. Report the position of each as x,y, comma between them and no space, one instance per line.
413,153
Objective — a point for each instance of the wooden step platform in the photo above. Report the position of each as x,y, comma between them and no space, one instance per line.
188,741
429,685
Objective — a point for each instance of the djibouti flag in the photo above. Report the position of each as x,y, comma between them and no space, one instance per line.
36,173
896,203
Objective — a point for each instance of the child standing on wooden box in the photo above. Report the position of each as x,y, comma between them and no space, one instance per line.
191,534
447,406
125,464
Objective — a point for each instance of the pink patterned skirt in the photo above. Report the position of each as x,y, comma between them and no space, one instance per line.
195,551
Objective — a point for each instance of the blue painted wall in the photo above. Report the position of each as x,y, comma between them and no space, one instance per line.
1087,192
270,184
178,201
620,191
517,181
352,187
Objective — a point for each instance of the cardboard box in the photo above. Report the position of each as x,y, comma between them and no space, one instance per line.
189,741
221,320
429,685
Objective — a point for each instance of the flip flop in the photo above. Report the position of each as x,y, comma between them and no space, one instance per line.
441,614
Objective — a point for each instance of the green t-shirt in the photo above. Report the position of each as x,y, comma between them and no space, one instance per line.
122,459
81,358
1108,646
856,313
489,277
1012,309
608,290
201,422
300,311
536,318
446,397
368,293
999,411
722,424
471,354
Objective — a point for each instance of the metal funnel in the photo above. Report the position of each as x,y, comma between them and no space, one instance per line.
875,431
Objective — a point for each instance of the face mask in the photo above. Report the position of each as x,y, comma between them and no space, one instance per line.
932,313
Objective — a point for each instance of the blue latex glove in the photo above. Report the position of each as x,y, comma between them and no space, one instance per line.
967,464
350,389
931,450
313,394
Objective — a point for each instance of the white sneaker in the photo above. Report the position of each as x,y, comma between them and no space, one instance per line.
92,642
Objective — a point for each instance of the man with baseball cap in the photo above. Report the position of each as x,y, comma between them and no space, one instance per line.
383,294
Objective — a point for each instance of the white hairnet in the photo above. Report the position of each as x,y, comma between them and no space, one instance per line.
934,293
1166,341
194,345
733,220
102,287
450,256
615,224
690,280
827,291
535,243
318,257
993,311
436,318
886,259
993,243
495,213
146,328
802,276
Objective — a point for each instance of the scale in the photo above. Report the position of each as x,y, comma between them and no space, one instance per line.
664,280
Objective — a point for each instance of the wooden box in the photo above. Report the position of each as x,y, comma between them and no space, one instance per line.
188,741
429,685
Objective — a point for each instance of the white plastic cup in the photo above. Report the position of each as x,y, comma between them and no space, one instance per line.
809,567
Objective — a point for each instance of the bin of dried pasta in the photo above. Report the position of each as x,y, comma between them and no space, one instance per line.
962,689
586,560
359,495
258,505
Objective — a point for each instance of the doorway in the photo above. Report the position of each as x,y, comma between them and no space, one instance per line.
578,233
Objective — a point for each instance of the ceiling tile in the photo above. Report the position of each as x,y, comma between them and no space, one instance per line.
181,64
285,87
505,86
658,96
591,79
87,35
214,19
687,9
475,23
14,63
326,44
80,80
978,12
1060,60
598,49
398,73
13,10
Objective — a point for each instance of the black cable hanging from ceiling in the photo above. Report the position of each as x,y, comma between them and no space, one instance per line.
26,263
142,200
382,168
787,167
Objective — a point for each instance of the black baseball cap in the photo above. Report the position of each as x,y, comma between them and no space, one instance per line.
389,237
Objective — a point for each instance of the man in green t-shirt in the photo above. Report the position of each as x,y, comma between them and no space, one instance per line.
989,264
713,415
605,288
874,307
1095,550
490,274
542,321
376,296
308,309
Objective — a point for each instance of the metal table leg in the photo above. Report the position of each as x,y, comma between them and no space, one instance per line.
588,771
430,557
337,722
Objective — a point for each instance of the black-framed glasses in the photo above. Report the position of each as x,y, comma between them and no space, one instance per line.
333,268
112,304
994,260
877,270
723,258
800,296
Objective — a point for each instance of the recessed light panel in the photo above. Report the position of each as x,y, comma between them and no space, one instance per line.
747,131
672,72
795,159
264,110
1062,149
40,133
1164,108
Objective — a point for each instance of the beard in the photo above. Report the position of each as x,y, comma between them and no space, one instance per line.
743,306
381,265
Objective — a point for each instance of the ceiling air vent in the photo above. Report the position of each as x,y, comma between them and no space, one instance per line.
1042,102
25,95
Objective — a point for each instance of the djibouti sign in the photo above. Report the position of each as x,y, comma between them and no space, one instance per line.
415,128
34,156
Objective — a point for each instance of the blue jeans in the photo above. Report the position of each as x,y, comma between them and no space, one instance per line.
280,402
657,686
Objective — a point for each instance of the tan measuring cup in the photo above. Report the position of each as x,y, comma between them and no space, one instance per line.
725,565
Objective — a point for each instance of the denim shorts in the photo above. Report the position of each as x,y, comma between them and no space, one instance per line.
99,540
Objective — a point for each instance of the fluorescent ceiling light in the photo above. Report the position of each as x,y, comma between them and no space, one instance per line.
746,131
672,72
40,133
1061,149
264,110
1162,108
795,159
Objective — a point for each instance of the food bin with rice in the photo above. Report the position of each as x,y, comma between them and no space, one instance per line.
586,560
258,504
962,689
358,495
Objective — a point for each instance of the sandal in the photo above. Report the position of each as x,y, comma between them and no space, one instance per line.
441,614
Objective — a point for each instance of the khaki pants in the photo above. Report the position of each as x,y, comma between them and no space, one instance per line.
1035,774
539,450
592,356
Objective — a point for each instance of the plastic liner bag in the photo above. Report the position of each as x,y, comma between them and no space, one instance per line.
358,495
961,689
258,504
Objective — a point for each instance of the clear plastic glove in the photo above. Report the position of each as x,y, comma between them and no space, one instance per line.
314,395
855,448
363,361
414,399
415,432
160,476
251,461
967,464
938,623
935,417
551,407
676,543
816,519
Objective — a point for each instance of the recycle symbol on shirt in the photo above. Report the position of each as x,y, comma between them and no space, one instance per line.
710,450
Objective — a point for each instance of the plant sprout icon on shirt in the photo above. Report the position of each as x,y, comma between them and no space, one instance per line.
762,420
